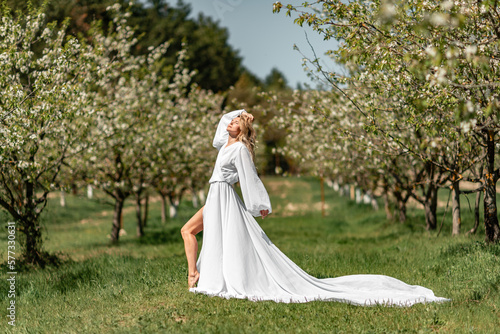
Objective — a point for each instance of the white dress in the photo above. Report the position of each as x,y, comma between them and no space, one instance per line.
237,259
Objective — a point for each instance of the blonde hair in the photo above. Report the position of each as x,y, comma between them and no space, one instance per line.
247,134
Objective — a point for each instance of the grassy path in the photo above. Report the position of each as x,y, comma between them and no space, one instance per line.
140,285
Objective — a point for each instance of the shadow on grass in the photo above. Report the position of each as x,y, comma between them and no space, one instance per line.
156,235
492,287
466,248
160,237
152,236
74,277
76,209
44,260
337,226
485,290
376,228
369,239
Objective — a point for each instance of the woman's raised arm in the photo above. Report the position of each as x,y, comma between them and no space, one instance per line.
221,135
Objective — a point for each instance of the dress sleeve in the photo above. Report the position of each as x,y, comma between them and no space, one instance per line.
254,193
221,134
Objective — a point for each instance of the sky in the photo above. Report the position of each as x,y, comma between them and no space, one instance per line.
265,40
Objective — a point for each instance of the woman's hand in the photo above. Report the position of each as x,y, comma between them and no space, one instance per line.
264,213
250,116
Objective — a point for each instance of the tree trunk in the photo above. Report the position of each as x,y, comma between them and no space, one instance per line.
353,192
74,189
195,200
173,209
31,227
336,186
322,186
373,202
430,206
138,212
476,213
174,206
163,208
457,221
32,231
490,212
490,195
387,206
63,199
401,204
146,210
90,191
402,211
358,196
366,198
115,232
346,190
201,196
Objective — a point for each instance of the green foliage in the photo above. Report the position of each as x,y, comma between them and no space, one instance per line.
218,65
244,93
276,81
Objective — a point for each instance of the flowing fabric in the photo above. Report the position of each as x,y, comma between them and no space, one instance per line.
238,260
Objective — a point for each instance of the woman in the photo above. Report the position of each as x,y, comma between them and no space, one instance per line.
237,259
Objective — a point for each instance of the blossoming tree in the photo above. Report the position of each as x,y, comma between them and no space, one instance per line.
435,62
40,98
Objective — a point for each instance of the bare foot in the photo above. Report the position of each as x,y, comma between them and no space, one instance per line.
193,279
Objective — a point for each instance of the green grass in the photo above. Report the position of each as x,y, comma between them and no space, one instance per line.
140,285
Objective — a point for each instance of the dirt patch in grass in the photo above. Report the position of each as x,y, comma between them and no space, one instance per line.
293,209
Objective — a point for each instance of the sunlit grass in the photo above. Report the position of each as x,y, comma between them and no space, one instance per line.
140,285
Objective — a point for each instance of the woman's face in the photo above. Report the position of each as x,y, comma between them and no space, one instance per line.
234,127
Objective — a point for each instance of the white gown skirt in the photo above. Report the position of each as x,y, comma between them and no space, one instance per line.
238,260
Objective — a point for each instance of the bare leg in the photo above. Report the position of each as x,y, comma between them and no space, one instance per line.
188,231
